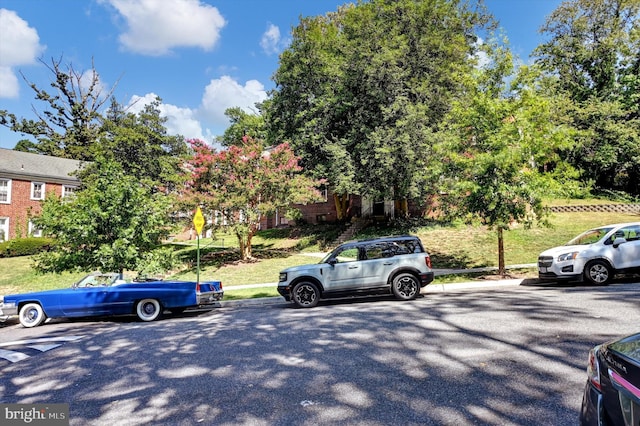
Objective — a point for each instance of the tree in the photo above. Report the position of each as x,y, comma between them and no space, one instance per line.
110,224
594,53
246,182
70,124
242,124
361,92
500,156
140,143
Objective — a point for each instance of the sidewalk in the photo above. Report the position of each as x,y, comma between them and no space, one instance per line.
437,273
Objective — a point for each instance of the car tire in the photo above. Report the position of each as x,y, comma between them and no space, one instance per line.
405,287
31,315
148,309
598,272
305,294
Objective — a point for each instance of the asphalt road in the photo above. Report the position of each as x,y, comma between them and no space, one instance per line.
511,355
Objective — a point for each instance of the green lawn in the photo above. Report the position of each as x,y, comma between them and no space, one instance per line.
450,246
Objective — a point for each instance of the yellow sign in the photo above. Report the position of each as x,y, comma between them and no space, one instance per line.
198,221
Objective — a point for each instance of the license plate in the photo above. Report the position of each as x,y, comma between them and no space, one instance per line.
543,269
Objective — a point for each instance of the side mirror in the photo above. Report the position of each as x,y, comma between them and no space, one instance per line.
332,262
619,241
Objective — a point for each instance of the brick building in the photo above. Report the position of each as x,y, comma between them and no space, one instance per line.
25,179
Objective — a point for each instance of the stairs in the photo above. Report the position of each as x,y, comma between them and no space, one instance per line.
356,226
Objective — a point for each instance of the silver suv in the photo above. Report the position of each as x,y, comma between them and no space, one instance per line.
595,255
390,265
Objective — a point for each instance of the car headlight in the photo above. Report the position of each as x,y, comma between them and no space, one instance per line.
283,277
568,256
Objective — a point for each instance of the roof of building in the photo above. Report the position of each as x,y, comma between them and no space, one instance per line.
28,166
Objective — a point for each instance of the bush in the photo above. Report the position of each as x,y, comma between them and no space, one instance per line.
24,246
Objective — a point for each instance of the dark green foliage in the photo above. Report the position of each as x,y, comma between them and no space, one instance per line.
110,225
25,246
593,52
361,92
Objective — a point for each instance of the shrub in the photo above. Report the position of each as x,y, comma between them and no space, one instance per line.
24,246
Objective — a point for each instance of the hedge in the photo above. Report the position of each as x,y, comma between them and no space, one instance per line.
24,246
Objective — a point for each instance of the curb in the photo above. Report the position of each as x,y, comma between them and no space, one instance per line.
430,288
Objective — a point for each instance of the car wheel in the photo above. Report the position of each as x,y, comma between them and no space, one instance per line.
32,315
148,309
306,295
598,272
405,287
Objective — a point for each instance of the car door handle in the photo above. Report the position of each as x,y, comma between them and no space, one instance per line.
354,267
388,263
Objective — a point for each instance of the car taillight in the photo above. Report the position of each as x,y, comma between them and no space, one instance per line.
427,260
197,287
593,369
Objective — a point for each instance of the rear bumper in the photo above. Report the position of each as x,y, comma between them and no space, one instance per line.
209,297
426,278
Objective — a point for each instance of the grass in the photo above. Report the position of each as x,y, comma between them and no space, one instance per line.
451,246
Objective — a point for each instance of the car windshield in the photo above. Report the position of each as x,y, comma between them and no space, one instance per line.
96,280
342,254
589,237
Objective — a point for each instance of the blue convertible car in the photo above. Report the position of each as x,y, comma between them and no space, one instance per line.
100,294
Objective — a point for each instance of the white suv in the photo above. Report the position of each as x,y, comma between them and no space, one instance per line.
391,265
595,255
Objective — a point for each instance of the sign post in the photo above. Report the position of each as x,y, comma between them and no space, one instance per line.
198,223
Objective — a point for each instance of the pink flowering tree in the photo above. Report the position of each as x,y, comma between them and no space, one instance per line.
246,182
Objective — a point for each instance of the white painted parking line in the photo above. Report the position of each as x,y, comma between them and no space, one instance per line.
42,344
12,356
42,340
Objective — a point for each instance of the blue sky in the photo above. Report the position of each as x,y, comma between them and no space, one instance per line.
199,56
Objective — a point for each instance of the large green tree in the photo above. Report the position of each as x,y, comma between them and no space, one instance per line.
360,92
246,182
242,124
140,143
499,155
593,51
112,223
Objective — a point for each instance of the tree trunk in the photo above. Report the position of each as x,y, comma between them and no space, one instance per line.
501,268
244,242
342,204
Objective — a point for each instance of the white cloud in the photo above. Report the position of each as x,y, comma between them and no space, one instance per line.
19,45
180,121
86,79
271,42
9,87
224,93
156,27
219,95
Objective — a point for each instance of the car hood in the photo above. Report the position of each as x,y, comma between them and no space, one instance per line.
556,251
309,267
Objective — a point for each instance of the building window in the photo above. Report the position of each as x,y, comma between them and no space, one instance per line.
4,229
37,191
5,191
34,231
324,193
68,191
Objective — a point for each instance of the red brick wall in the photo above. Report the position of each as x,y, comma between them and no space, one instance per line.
22,206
